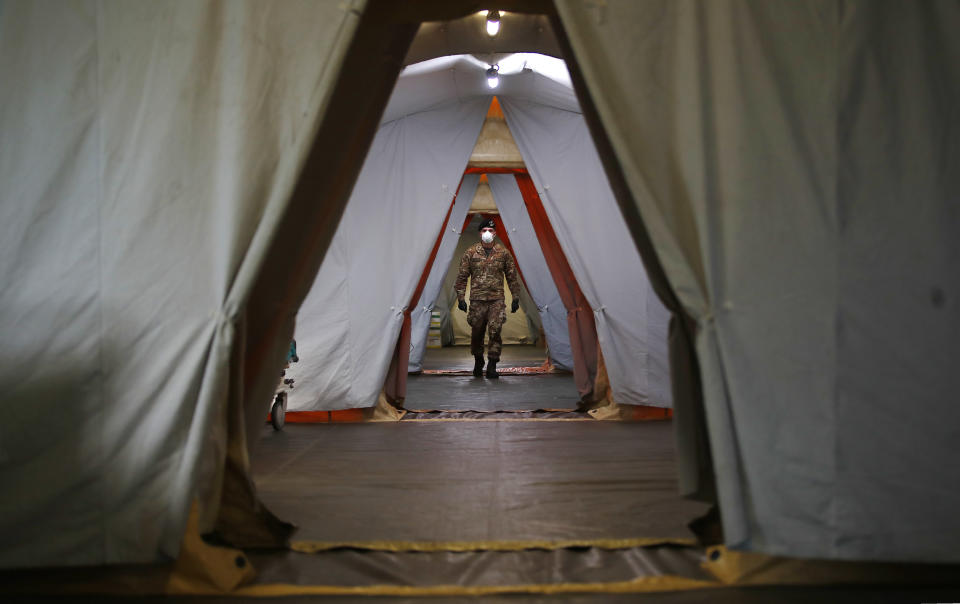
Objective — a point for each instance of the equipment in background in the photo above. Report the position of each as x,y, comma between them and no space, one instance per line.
433,335
278,412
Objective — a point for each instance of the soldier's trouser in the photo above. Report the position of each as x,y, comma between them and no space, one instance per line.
484,315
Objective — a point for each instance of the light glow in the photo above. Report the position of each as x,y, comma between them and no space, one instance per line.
493,23
553,68
493,78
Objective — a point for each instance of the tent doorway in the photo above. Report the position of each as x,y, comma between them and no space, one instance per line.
587,286
541,386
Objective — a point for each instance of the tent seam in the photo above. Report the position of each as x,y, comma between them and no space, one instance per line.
837,318
100,339
458,101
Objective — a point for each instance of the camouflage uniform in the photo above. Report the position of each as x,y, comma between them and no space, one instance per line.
486,270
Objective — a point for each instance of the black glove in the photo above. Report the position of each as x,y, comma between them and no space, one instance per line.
462,305
514,305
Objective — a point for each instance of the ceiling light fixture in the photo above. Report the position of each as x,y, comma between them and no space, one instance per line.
493,22
493,77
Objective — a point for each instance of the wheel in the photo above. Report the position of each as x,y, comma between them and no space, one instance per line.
278,413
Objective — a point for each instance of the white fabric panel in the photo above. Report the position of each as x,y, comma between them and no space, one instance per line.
420,315
349,322
539,281
796,165
631,320
145,149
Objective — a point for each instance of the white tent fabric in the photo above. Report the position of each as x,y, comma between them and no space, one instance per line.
420,316
797,165
537,277
631,320
348,324
147,151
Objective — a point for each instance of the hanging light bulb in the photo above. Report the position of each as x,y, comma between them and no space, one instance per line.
493,22
493,78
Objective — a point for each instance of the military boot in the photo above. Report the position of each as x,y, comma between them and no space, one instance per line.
492,369
478,365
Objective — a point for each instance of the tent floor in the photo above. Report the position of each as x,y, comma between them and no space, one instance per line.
509,393
481,481
474,481
459,357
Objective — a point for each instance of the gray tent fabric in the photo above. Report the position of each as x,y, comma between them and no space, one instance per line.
147,154
348,324
537,277
631,321
420,316
796,165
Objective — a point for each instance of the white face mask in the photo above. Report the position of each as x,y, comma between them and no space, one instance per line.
486,236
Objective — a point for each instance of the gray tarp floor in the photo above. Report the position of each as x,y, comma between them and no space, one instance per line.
510,392
459,357
456,480
443,481
474,480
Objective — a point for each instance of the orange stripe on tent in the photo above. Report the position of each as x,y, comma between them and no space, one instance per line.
495,110
476,170
583,331
323,417
644,413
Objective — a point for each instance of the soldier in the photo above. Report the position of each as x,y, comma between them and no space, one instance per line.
486,263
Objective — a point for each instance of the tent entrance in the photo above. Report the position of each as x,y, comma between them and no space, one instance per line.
544,389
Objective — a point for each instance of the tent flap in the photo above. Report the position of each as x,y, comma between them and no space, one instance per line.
631,322
796,167
145,148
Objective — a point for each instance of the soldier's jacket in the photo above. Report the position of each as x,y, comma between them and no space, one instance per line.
486,272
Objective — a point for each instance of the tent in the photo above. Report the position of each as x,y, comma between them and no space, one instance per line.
347,335
172,175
